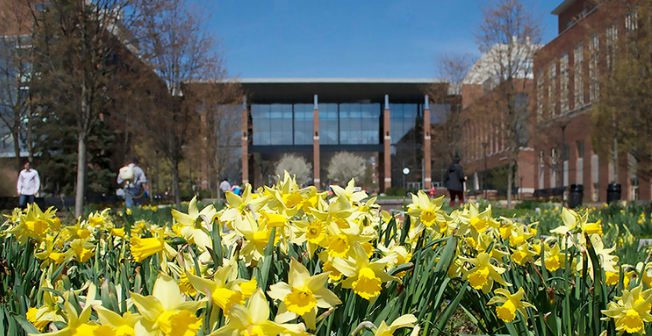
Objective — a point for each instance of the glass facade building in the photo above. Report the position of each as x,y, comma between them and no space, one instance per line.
318,118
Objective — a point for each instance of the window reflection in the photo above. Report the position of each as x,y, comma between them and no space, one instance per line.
328,124
339,124
359,124
403,119
303,124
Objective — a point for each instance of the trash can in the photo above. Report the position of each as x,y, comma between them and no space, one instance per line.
613,192
576,195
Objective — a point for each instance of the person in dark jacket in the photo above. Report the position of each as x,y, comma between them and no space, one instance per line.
455,182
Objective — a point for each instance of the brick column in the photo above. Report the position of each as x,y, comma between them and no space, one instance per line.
644,186
588,170
245,141
572,164
387,146
604,177
427,170
315,145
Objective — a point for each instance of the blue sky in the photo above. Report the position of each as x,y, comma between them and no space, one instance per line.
338,38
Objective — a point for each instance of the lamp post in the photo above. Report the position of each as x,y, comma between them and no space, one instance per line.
484,173
406,171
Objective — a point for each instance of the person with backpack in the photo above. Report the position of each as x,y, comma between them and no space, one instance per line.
134,183
455,182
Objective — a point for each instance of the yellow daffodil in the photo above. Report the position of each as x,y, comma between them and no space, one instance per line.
49,255
81,250
31,316
522,254
405,321
629,314
483,274
363,276
302,295
33,224
100,220
510,304
77,325
314,234
122,325
256,237
426,212
222,288
193,226
252,320
593,228
166,311
142,248
554,258
349,193
239,206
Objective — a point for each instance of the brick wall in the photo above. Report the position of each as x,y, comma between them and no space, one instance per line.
577,120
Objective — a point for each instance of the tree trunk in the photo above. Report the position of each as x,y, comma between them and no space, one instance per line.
615,160
16,138
513,159
175,183
81,175
510,182
28,137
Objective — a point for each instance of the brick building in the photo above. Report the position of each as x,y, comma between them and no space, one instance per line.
567,86
485,139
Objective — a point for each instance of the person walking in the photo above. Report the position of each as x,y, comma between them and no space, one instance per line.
135,183
224,187
28,185
455,182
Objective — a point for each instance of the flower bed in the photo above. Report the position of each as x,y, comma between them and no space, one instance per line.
290,261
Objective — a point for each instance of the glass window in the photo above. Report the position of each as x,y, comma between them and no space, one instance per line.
579,80
303,124
328,124
260,124
594,72
272,124
404,119
359,124
563,82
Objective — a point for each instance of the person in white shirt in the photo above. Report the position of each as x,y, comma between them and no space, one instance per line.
224,187
134,189
28,185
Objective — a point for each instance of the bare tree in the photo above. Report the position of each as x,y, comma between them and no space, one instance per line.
622,115
75,45
15,74
222,140
179,49
508,37
447,142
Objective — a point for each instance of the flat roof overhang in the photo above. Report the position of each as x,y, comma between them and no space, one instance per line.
339,90
274,149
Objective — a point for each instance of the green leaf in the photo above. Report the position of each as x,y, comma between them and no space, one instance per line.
27,326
